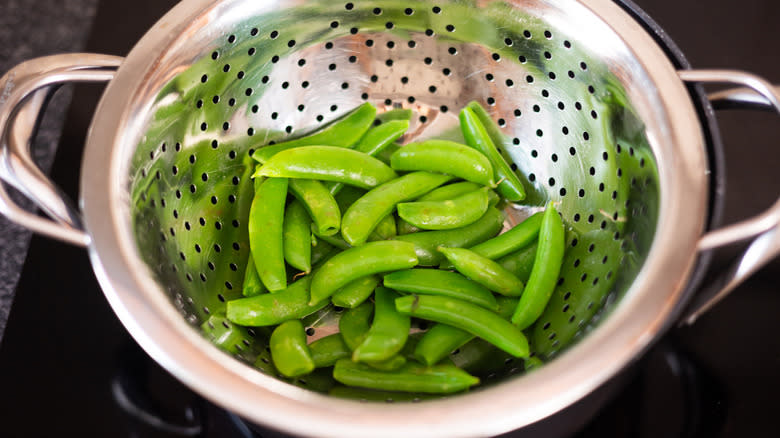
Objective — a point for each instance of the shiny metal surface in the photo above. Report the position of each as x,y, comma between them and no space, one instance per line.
626,70
25,90
741,97
763,227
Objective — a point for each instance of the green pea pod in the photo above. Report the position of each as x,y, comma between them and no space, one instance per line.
438,379
266,217
403,227
391,364
519,236
252,284
272,309
484,271
404,114
446,215
347,196
544,274
469,317
442,339
376,139
344,133
355,292
328,163
335,240
450,191
289,352
360,261
321,251
384,230
364,214
319,203
385,154
533,363
474,132
225,335
388,331
326,351
354,324
444,283
520,262
482,358
297,237
426,242
493,199
444,156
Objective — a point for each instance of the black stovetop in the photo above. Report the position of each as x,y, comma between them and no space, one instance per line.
68,367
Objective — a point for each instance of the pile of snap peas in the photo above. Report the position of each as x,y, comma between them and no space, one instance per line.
346,217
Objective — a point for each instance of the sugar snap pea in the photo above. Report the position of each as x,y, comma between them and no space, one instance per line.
334,240
347,196
385,154
519,236
379,137
450,191
328,163
474,132
320,251
319,203
444,156
365,213
442,339
289,351
390,364
344,133
545,271
445,215
403,227
484,271
426,242
384,230
388,331
225,335
520,262
252,284
360,261
481,358
355,292
394,114
272,309
437,282
326,351
376,139
354,324
266,217
297,237
474,319
437,379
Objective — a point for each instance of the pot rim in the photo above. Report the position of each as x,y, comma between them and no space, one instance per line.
638,319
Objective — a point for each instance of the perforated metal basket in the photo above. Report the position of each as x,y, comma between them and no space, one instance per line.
595,118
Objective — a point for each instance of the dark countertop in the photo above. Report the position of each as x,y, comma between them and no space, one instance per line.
28,29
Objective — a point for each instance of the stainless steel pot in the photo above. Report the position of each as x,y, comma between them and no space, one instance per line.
568,81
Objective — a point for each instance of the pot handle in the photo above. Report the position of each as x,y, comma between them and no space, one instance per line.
24,92
754,93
